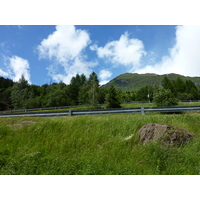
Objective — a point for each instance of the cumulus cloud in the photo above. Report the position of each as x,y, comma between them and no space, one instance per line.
15,67
183,56
125,51
65,47
104,75
19,67
3,73
78,67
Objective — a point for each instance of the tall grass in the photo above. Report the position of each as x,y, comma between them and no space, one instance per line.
100,144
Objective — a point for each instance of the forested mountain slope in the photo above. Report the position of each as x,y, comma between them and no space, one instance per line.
132,82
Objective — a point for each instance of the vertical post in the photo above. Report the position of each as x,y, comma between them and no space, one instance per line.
70,112
142,110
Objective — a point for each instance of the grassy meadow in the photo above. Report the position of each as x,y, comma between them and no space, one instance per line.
95,145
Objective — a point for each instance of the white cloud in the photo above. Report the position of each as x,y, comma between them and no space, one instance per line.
78,66
3,73
183,57
15,67
18,67
65,47
66,43
125,51
103,82
104,75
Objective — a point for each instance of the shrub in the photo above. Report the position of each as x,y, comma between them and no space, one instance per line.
164,97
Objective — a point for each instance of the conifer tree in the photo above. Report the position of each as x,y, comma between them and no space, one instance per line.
168,84
74,88
111,100
180,85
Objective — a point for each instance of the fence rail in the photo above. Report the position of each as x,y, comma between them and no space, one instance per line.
142,110
63,107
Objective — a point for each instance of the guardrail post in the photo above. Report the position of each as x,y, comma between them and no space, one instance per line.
142,110
70,112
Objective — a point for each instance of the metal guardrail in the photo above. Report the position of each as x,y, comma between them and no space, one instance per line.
39,109
142,110
63,107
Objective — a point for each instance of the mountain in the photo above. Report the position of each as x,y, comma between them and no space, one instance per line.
134,81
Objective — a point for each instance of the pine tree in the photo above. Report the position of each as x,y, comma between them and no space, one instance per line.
180,85
111,100
74,88
83,97
168,84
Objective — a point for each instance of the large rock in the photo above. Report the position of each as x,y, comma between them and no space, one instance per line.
166,134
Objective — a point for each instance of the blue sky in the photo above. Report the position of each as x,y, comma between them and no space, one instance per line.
56,53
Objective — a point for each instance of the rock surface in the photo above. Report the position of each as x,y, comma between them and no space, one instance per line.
166,134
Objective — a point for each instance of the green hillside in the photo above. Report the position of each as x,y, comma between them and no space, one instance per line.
132,82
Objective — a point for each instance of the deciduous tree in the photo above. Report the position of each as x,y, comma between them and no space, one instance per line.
164,97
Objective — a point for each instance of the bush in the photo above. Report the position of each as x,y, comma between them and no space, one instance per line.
164,97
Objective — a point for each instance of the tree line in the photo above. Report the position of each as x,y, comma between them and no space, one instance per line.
80,91
87,91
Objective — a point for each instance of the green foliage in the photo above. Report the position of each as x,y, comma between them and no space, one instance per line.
142,94
74,88
93,91
5,83
112,100
5,93
20,92
102,94
83,91
183,90
168,84
86,91
56,95
146,93
164,97
127,96
3,106
131,82
192,90
83,96
180,85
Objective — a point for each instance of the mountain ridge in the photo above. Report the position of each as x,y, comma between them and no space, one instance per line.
134,81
